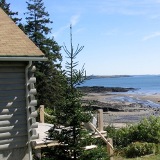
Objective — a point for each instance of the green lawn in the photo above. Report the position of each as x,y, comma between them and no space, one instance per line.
151,157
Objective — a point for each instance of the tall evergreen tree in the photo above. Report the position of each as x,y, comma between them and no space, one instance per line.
6,7
73,137
69,128
48,73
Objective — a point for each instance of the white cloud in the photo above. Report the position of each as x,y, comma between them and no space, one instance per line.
79,30
74,19
63,28
151,36
130,8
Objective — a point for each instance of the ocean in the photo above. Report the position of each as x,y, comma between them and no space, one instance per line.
146,84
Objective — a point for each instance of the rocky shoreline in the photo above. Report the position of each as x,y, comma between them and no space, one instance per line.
116,112
100,89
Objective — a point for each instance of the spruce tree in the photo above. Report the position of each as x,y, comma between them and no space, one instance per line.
6,7
49,76
70,115
69,129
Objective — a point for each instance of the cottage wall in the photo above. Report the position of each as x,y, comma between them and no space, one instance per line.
13,112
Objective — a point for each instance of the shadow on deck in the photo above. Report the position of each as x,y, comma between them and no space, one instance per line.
44,141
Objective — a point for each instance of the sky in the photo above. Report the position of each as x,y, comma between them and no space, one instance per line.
120,37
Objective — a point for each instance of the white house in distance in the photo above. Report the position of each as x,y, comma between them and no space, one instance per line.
17,100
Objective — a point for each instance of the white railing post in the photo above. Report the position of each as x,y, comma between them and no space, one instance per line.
100,120
109,149
41,110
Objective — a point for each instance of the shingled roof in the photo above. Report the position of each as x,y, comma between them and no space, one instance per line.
13,41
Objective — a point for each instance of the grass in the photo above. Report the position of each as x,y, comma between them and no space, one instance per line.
148,157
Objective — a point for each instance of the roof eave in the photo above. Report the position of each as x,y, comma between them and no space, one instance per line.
23,59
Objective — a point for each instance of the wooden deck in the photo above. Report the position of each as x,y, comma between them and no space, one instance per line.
43,140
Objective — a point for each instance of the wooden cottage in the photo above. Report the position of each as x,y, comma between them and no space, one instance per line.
17,100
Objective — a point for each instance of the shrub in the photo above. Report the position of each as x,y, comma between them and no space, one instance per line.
157,148
121,137
47,119
49,111
138,149
147,130
97,153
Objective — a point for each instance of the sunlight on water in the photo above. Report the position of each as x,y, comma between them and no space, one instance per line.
146,84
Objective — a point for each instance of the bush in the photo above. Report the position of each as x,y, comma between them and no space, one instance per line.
157,148
138,149
147,130
47,119
97,153
121,137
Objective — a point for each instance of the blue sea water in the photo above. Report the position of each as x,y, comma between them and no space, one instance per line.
143,83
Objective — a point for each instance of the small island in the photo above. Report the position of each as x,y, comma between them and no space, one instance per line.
100,89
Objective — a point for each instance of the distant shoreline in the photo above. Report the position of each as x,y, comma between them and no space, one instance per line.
106,76
100,89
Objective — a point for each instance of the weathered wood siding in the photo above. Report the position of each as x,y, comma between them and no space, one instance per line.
13,117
